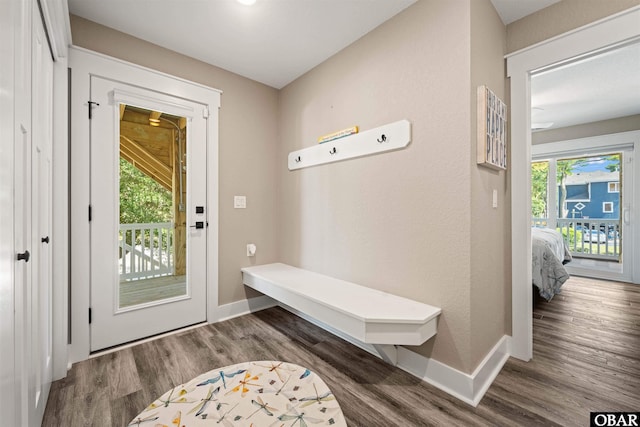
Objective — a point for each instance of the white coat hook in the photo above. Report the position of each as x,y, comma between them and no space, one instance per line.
392,136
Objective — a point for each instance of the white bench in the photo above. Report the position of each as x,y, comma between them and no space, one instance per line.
368,315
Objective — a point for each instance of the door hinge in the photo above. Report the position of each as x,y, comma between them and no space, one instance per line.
91,104
89,315
89,213
205,112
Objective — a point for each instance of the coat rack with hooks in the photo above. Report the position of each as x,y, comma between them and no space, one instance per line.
393,136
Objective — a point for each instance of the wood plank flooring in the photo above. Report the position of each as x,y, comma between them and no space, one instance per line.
586,358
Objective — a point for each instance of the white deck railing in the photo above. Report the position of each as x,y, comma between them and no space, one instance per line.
594,238
146,250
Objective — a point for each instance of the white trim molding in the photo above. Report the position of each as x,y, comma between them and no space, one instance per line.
245,306
55,14
470,388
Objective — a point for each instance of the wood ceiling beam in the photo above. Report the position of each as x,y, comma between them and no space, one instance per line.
158,141
146,162
138,131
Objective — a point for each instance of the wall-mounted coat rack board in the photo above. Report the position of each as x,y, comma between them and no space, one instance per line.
393,136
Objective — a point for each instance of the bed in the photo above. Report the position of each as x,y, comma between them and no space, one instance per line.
549,255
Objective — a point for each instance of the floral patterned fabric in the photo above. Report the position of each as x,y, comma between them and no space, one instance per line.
266,393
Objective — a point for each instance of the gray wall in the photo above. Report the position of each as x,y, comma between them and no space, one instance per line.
402,221
559,18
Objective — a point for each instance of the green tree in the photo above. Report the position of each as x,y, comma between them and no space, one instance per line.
142,199
613,163
539,179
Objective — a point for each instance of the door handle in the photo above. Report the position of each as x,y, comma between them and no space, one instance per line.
45,239
625,216
199,224
24,256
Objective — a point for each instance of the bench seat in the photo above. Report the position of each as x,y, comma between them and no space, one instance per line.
368,315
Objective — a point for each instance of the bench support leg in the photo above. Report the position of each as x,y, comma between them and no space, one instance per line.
389,353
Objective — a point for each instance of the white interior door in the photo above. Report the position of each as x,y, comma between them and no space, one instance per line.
23,270
40,299
136,258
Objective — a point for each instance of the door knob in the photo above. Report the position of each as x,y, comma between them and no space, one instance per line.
45,239
24,256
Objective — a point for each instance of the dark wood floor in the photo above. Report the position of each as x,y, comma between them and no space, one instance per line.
586,358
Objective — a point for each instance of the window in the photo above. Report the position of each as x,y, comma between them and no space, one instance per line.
607,207
559,184
614,187
578,192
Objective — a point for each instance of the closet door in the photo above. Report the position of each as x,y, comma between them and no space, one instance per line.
26,77
22,258
39,304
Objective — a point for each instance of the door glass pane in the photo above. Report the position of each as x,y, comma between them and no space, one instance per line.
153,181
589,203
539,196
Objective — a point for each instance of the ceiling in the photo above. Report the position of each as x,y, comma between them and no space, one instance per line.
598,87
276,41
512,10
272,41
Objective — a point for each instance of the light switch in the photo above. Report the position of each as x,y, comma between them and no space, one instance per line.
495,198
240,202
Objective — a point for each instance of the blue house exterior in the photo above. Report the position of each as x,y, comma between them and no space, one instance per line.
592,195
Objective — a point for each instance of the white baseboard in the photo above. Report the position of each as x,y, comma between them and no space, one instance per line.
240,308
470,388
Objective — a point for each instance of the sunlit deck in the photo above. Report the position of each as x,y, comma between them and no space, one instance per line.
134,292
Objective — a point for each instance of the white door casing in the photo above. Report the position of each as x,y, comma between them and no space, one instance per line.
84,64
112,325
608,32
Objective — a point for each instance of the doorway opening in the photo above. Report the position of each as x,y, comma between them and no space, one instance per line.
600,36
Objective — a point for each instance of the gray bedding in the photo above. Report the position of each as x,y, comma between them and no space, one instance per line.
549,253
